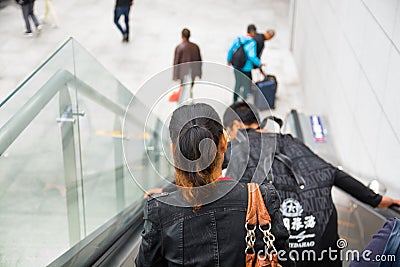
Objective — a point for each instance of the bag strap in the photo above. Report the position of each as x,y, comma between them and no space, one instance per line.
282,158
243,44
240,42
257,214
262,72
287,161
289,164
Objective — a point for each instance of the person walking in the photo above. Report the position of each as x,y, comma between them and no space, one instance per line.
189,53
123,7
260,39
203,222
27,12
49,9
242,55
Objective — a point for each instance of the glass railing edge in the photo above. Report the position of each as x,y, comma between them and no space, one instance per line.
35,71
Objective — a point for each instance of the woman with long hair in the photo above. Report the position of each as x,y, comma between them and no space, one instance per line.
202,223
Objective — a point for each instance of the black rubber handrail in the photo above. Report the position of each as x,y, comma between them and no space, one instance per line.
297,126
92,248
395,208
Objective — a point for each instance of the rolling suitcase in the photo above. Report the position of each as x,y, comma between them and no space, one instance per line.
266,91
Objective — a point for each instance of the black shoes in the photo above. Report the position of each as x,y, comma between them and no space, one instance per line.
125,38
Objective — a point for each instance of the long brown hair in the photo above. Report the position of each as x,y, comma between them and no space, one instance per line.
195,132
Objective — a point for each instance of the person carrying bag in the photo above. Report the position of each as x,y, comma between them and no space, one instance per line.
202,221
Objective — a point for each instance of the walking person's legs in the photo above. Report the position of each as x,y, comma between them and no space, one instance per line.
32,15
117,15
46,11
25,13
246,82
126,15
236,93
50,9
191,88
185,86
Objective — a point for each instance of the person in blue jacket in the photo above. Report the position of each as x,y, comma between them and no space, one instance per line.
243,74
384,248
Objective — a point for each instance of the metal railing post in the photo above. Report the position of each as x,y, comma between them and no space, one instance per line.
119,165
70,168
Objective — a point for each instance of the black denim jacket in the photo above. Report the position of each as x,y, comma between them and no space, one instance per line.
214,235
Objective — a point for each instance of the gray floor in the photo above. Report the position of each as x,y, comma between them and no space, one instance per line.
155,31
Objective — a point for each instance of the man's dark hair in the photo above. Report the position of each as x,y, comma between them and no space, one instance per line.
241,111
251,28
186,33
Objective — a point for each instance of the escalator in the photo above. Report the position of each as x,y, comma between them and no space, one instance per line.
352,214
77,151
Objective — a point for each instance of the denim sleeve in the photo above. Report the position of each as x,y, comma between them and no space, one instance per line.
375,247
278,229
150,248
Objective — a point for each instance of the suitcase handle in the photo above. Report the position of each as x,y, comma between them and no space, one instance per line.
261,70
266,76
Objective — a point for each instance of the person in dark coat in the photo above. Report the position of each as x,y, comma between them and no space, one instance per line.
123,7
187,63
27,12
303,180
260,39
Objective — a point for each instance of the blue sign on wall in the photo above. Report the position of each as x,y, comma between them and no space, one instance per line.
317,129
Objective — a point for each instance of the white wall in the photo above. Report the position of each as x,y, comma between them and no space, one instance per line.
348,57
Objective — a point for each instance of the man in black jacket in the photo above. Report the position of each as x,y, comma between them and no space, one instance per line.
303,180
260,38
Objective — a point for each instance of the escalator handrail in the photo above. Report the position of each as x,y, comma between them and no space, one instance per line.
90,249
25,115
297,127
